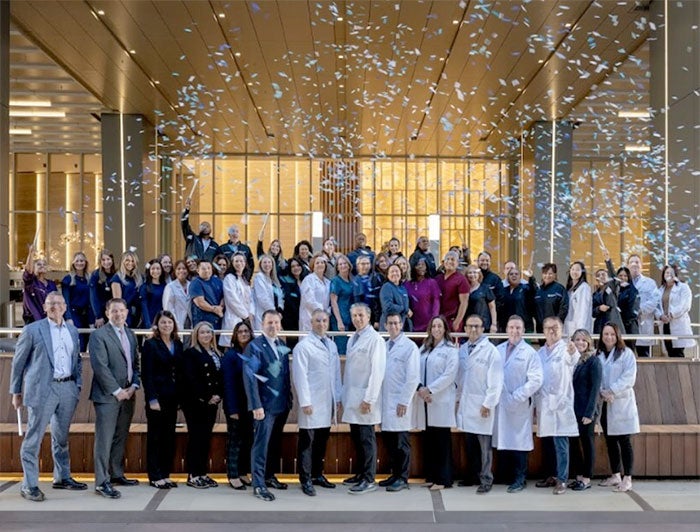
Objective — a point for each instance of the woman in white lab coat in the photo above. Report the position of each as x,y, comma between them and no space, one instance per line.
238,297
580,315
315,292
619,417
434,402
673,301
267,290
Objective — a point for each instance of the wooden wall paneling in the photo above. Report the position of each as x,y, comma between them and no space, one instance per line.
641,391
7,412
687,394
639,443
217,450
694,370
135,452
675,395
665,402
677,455
9,455
651,454
665,451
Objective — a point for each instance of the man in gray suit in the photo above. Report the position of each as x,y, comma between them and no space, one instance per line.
47,366
114,383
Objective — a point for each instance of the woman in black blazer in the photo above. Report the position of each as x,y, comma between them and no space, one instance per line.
201,395
239,420
588,374
159,358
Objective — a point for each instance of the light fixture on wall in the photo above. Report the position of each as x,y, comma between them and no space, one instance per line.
21,113
433,227
30,103
20,131
634,113
317,224
637,148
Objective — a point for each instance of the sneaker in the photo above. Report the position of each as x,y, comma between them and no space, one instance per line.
363,487
198,482
210,481
611,481
32,494
516,487
579,485
483,489
398,485
625,485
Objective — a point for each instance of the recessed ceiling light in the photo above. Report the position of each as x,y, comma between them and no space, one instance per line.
455,21
132,52
20,113
341,56
639,148
237,54
20,131
633,113
339,19
156,82
250,83
30,103
222,15
100,12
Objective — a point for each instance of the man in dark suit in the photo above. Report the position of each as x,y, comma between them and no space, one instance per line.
267,387
114,383
47,365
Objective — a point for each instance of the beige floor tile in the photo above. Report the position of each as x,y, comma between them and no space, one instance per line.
133,499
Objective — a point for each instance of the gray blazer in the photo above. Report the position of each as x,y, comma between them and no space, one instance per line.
109,365
32,365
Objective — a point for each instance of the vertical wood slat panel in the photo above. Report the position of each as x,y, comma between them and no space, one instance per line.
687,395
674,394
652,454
665,451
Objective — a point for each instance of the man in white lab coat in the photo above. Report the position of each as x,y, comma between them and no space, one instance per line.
365,363
479,383
522,377
400,383
316,377
556,420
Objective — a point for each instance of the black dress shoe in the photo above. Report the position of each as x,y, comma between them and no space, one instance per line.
308,489
106,490
264,494
323,482
274,483
548,482
483,488
159,484
355,479
32,494
123,481
69,484
387,482
468,482
362,487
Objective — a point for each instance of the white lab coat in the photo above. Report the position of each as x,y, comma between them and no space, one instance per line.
555,399
619,377
647,305
177,301
479,383
365,365
580,315
316,378
400,383
438,371
522,378
238,300
315,294
263,298
679,303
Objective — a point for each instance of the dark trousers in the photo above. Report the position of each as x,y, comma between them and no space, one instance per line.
160,439
437,455
620,451
513,466
399,447
582,451
549,457
672,351
479,458
643,350
311,450
81,320
267,447
112,422
200,418
238,445
365,442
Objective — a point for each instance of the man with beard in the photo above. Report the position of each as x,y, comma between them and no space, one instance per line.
201,246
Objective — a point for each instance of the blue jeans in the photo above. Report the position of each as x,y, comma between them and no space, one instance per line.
561,449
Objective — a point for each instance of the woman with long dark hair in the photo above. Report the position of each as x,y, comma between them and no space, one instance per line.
434,402
619,417
160,357
100,289
423,295
674,299
151,292
238,296
580,311
176,297
291,288
239,421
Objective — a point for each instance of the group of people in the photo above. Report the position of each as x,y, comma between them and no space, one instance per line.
432,384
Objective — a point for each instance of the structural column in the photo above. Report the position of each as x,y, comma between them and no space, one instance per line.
675,102
4,148
125,168
550,144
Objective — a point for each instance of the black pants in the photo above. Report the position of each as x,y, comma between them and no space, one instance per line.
365,441
549,457
512,466
311,451
399,447
672,351
160,439
437,455
582,451
200,419
620,451
238,445
643,350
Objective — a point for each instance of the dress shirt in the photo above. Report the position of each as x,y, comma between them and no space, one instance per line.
62,345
